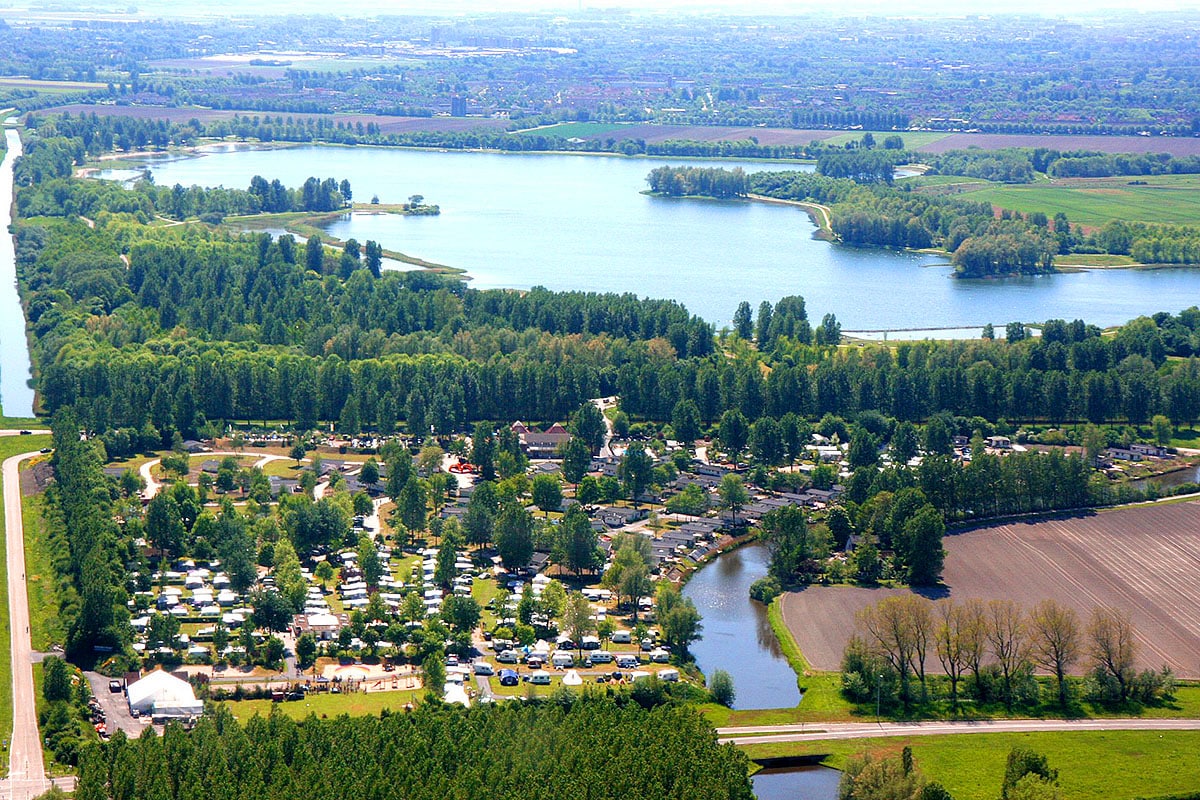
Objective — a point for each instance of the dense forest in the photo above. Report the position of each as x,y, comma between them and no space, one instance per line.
589,747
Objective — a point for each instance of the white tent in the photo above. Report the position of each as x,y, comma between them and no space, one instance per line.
162,695
455,693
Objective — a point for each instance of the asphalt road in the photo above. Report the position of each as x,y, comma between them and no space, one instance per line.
817,731
27,770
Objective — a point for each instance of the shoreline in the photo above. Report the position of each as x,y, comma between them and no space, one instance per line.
820,215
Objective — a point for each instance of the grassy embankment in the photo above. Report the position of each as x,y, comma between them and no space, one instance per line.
305,224
9,446
1092,765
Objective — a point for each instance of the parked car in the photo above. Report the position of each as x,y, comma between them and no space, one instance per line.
115,686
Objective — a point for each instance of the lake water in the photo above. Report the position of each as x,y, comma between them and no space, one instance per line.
580,222
737,636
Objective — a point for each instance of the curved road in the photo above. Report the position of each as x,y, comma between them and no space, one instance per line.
27,770
153,486
817,731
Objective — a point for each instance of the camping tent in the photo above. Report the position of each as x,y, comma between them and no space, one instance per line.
164,696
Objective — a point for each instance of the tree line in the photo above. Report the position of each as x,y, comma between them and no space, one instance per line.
989,652
592,746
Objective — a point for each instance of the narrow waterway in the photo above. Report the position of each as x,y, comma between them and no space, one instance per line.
737,637
16,396
797,783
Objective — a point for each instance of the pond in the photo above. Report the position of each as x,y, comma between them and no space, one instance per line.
737,637
577,222
796,783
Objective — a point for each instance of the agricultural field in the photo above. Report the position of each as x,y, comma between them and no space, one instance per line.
913,140
1176,146
1144,560
1170,199
584,130
50,87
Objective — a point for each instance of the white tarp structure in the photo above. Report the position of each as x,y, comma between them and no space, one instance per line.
163,696
455,693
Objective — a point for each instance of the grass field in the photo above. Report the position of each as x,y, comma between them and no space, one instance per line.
1173,199
1118,765
45,626
9,446
1092,260
327,705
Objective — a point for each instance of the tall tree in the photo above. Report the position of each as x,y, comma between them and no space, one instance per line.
1112,646
546,492
732,494
588,424
636,471
734,433
514,536
1055,640
576,459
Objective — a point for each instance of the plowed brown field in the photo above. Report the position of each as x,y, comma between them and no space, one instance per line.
1144,560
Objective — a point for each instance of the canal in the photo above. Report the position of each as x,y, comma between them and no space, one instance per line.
737,636
16,395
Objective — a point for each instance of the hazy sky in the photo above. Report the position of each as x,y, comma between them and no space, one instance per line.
450,7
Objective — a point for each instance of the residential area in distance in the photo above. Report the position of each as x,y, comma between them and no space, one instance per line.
600,401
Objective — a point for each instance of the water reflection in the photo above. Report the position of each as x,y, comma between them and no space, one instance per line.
797,783
737,636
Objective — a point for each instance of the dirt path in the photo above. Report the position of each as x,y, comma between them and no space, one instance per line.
825,222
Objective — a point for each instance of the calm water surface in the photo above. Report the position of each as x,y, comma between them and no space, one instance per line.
579,222
737,636
16,397
797,783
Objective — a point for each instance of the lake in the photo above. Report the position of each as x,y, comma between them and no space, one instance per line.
580,222
737,637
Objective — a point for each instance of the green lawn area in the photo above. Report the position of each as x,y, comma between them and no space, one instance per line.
8,423
45,625
332,705
9,446
1092,260
912,139
283,469
1170,199
942,180
572,129
1092,765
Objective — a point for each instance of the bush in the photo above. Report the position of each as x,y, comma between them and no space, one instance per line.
720,686
764,590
